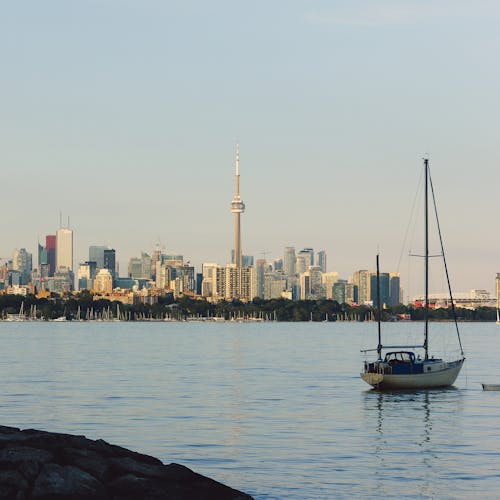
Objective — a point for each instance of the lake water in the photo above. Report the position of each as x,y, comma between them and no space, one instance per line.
275,409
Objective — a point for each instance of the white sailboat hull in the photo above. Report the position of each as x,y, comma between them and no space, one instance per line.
442,377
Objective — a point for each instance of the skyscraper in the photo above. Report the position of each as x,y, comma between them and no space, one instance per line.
321,260
64,248
96,254
50,247
289,261
237,208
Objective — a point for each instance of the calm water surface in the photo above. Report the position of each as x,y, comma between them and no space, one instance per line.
277,410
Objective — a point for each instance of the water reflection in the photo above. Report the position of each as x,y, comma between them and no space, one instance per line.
411,428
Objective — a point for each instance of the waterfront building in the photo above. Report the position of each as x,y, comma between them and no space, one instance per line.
237,208
64,248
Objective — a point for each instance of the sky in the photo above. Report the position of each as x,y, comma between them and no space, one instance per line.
124,115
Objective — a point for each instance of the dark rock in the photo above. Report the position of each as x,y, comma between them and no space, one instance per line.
43,465
56,481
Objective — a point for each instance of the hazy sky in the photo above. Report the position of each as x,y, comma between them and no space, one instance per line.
124,114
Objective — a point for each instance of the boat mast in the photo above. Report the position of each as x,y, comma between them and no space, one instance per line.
426,313
379,315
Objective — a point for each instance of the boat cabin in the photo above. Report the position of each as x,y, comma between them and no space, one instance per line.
403,362
394,358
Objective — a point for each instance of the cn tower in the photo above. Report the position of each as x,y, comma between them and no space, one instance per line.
237,207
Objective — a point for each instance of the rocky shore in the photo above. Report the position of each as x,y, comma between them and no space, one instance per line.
46,465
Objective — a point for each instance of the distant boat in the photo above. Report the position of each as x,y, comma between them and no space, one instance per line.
401,367
491,387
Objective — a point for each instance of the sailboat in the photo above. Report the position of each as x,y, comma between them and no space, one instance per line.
411,366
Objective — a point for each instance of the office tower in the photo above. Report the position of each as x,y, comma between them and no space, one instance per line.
247,260
50,247
308,254
146,265
86,274
274,284
289,260
260,270
64,248
329,279
109,256
339,291
302,264
362,280
96,254
305,285
321,260
103,282
22,262
394,289
317,290
135,268
237,208
384,289
278,264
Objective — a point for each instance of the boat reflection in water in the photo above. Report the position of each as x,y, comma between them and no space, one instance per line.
413,433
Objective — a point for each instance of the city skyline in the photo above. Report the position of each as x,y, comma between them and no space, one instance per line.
125,116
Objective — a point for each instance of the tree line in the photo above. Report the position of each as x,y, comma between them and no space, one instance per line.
82,305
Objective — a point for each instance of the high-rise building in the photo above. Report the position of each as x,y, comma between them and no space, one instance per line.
384,282
96,254
86,274
329,279
362,280
135,268
22,262
103,282
274,285
50,247
64,248
289,260
343,292
260,270
109,256
394,289
321,260
237,208
308,254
